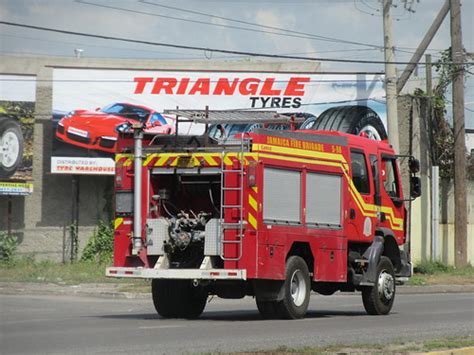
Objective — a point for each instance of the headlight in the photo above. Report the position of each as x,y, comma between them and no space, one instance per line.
123,127
70,114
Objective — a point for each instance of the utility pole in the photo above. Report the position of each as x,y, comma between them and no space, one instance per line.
460,200
390,77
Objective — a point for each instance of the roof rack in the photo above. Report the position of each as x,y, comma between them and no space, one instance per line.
233,116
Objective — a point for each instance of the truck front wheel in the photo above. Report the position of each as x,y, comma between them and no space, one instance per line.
378,299
178,298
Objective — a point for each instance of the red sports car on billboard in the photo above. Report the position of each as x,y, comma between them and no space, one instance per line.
99,129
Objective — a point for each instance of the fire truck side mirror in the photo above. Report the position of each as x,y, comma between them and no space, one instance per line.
415,189
414,165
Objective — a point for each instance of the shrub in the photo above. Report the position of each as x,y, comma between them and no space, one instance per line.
8,245
432,267
100,246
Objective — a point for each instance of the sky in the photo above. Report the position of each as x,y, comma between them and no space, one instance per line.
313,28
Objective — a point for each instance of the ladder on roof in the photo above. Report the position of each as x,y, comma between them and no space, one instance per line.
239,225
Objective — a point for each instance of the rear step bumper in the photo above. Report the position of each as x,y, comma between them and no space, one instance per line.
193,274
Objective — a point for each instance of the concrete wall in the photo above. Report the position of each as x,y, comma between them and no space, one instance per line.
41,221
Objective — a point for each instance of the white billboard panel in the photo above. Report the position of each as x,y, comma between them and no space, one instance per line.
95,102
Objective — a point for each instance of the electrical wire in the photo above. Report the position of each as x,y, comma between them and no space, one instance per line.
217,50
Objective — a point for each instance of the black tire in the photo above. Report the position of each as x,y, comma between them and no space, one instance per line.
378,299
297,288
11,147
178,298
353,120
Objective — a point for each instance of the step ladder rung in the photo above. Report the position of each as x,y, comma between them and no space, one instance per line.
228,225
231,189
232,206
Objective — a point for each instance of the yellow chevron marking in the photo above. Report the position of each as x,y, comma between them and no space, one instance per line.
255,189
227,160
252,202
252,221
210,160
118,222
161,161
149,158
128,162
119,157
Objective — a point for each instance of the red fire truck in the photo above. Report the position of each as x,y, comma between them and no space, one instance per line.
274,214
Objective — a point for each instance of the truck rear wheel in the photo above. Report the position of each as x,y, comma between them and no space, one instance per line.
178,298
352,119
297,288
378,299
11,147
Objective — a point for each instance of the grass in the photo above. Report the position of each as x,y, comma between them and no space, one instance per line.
437,273
398,347
28,270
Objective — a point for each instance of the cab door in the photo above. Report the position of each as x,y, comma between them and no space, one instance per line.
361,219
392,204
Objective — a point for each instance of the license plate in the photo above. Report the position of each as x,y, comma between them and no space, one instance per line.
78,132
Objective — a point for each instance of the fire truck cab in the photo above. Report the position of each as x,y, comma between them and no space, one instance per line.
274,215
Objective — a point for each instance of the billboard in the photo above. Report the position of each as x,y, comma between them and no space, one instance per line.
17,111
91,105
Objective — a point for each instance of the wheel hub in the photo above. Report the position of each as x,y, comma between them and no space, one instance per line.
9,149
386,286
370,132
298,288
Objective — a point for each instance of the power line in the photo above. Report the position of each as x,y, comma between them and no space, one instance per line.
196,48
160,52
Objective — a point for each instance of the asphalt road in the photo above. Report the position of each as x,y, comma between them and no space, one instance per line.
87,325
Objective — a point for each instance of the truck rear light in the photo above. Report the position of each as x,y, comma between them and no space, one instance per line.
113,272
128,273
252,174
232,274
214,273
119,171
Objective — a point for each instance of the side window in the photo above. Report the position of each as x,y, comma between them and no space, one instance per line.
156,117
360,176
389,177
374,165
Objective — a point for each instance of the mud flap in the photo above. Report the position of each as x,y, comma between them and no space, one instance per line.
372,255
405,265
